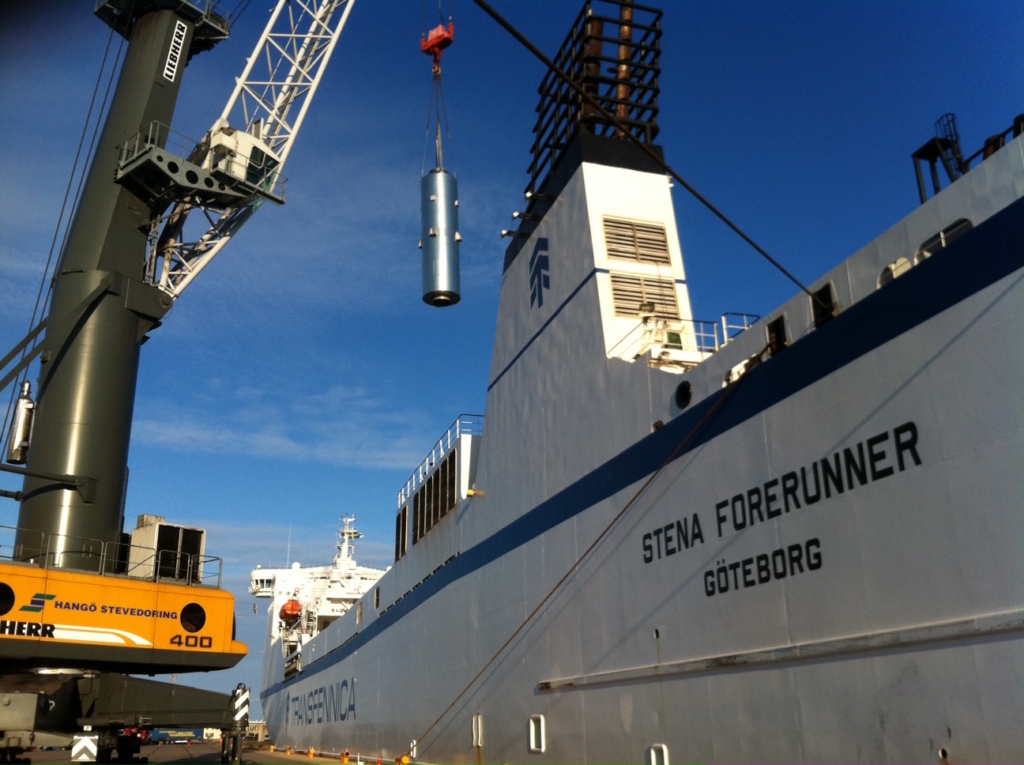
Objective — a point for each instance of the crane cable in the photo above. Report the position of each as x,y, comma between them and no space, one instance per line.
61,220
437,114
437,108
236,15
751,364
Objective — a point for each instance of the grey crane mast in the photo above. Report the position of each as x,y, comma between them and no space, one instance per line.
131,253
101,309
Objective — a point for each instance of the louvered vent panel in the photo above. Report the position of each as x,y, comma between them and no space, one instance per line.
629,291
641,242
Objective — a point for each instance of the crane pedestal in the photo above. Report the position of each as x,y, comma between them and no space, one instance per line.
54,710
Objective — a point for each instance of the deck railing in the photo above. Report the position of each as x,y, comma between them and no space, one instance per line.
465,424
61,551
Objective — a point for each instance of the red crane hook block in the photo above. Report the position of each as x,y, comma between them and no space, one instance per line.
439,38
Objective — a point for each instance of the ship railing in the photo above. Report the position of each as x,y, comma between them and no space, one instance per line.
705,335
693,336
29,548
628,345
71,553
255,173
49,551
156,135
734,324
465,424
697,337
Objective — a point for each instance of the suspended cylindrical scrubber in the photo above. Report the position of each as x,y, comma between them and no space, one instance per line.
439,208
439,204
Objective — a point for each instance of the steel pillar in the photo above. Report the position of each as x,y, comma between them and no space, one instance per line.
90,357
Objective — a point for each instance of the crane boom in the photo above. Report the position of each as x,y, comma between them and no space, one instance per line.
259,125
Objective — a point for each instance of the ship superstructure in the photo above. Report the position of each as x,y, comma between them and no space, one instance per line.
305,600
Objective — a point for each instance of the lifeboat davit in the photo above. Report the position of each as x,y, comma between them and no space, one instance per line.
291,611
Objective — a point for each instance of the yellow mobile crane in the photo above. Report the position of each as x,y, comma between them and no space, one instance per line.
83,602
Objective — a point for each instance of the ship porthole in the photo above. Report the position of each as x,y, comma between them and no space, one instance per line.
684,392
6,598
193,617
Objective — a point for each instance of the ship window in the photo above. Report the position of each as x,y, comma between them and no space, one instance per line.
359,613
944,238
640,242
445,484
422,494
630,292
478,730
657,755
435,505
823,305
435,496
892,271
428,506
776,335
376,597
537,743
401,532
437,487
442,490
452,488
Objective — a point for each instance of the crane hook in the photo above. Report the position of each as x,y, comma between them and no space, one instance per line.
434,43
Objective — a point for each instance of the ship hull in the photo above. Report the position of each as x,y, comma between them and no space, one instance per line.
821,561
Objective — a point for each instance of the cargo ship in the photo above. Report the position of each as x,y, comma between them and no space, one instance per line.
789,537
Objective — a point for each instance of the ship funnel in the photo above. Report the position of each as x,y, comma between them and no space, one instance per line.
439,207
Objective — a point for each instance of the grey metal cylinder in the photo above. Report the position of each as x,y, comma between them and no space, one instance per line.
439,208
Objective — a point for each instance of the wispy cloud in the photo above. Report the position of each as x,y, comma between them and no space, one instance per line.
341,425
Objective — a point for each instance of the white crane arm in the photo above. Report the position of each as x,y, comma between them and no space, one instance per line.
254,135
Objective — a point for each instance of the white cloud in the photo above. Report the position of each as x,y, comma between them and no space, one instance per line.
341,425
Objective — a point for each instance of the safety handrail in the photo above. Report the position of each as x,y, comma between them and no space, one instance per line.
62,551
465,424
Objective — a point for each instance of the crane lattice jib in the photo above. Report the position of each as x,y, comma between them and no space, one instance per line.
269,102
283,74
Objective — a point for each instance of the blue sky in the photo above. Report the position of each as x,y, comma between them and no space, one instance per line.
301,377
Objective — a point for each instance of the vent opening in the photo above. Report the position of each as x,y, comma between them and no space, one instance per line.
823,305
776,335
635,241
639,296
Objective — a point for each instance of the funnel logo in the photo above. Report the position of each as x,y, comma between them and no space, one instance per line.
539,278
38,601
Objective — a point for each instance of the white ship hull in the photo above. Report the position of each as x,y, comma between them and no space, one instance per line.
746,606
